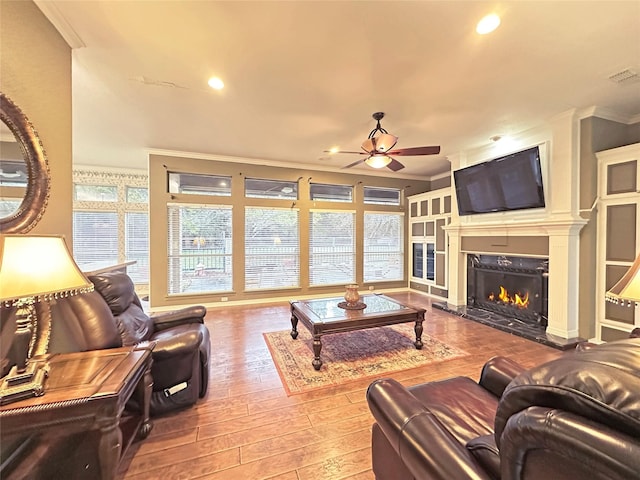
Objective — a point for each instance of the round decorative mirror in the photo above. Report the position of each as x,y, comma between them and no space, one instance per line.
24,171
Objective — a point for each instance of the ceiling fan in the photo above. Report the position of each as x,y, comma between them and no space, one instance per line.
378,147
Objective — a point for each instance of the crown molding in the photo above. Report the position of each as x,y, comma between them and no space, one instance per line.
608,114
60,23
274,163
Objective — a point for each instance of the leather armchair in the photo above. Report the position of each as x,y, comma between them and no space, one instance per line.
112,316
574,417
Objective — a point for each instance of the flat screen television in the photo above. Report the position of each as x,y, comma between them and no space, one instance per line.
512,182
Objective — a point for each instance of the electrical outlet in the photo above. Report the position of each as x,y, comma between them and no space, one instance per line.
224,299
371,287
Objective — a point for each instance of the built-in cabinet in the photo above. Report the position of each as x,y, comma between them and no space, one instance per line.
618,236
428,247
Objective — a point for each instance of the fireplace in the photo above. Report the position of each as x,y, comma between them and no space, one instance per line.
514,287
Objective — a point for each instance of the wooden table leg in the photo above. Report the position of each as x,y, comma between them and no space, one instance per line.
317,346
294,324
418,328
110,447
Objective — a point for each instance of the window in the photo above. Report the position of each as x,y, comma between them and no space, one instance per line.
259,188
200,248
13,173
381,196
95,237
137,195
95,193
272,247
8,206
331,193
383,247
196,184
111,221
137,245
331,247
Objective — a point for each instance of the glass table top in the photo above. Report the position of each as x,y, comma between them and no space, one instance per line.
327,309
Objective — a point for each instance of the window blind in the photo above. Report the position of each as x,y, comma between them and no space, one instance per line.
383,247
137,245
199,248
331,247
95,237
272,248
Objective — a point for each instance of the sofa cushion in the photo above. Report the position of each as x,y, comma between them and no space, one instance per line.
601,384
82,322
117,289
464,408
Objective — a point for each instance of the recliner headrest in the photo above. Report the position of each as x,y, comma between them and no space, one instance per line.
602,383
116,288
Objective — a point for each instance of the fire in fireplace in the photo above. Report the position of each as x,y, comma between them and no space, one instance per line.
515,287
518,299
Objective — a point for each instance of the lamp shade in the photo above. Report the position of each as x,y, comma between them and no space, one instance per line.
628,287
38,266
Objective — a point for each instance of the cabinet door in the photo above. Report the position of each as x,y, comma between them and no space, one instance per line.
418,260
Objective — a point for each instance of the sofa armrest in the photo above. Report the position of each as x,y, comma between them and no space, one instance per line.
567,444
193,314
425,447
497,373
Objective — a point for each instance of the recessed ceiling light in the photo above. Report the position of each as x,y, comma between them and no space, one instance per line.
488,24
216,83
334,149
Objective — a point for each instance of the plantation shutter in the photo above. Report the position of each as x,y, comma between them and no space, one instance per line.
331,247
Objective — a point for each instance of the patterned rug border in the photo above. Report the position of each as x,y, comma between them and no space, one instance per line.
333,342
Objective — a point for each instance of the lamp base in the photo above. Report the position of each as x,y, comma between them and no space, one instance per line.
20,385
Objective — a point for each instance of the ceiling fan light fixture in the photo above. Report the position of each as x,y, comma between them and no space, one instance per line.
378,161
384,142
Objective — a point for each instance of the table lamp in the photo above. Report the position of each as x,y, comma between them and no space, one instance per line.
627,290
33,269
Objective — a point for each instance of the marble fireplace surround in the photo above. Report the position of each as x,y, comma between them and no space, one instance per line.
554,238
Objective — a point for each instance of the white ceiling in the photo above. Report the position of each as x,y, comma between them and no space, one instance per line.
303,76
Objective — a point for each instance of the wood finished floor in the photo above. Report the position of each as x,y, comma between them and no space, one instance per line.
248,429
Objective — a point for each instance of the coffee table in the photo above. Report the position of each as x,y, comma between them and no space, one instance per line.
323,316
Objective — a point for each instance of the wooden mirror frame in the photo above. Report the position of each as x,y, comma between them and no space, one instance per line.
36,197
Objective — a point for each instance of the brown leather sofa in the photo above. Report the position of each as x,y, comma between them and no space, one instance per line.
112,316
576,417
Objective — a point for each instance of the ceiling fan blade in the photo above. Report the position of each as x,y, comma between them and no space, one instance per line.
344,151
355,163
434,150
395,165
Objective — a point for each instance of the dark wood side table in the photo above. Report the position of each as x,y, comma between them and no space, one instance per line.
84,392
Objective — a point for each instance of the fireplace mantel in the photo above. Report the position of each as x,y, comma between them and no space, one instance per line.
562,233
561,225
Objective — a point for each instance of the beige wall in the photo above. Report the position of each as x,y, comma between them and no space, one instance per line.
159,197
35,73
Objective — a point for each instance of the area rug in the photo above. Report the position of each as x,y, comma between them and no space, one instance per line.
351,356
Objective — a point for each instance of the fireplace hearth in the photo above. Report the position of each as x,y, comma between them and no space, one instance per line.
514,287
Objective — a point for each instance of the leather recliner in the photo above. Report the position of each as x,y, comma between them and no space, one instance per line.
574,417
112,316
